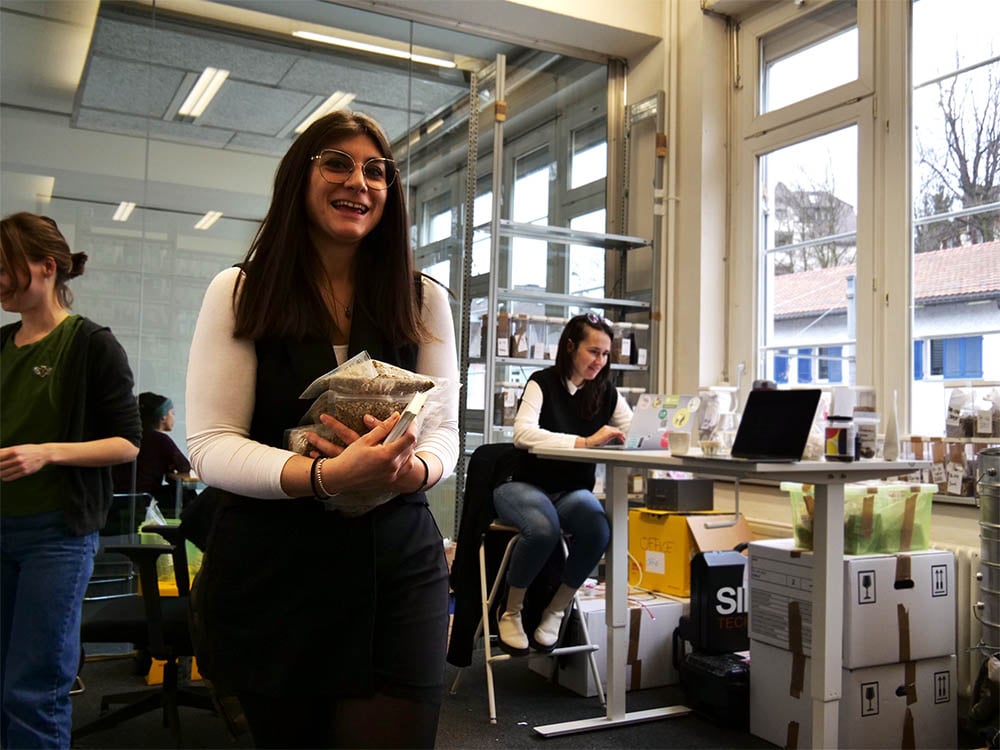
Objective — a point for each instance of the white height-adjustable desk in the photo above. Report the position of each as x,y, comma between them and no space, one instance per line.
829,477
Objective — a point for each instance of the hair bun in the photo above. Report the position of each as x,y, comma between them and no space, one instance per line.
79,261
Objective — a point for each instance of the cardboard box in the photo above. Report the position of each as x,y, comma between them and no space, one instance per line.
652,619
684,495
913,704
896,607
663,543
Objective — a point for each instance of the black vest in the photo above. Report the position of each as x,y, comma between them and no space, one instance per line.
285,368
561,413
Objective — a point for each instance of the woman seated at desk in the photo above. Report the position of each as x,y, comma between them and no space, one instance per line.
572,404
159,457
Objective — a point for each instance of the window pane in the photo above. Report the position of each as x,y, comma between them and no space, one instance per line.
586,264
808,224
439,227
482,209
814,54
956,201
530,206
590,155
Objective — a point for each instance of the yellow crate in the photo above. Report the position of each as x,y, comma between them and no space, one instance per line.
663,542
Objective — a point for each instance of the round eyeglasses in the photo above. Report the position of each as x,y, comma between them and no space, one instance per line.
337,166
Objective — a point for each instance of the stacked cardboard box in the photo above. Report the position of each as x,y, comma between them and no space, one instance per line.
651,623
898,668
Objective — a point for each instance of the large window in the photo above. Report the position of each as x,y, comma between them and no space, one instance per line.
869,198
956,200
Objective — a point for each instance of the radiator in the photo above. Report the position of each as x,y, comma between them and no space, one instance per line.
969,631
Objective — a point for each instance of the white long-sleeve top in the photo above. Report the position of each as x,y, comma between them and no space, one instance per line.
527,433
220,393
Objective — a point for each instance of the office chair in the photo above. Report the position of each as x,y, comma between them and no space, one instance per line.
156,623
114,573
489,596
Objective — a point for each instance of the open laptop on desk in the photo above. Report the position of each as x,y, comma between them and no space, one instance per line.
656,414
775,426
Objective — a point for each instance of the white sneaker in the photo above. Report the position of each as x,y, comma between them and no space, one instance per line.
513,639
547,632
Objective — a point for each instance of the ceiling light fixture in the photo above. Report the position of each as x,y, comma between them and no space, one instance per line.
124,210
337,100
208,220
377,49
203,91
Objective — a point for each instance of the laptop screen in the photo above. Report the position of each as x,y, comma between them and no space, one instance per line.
775,424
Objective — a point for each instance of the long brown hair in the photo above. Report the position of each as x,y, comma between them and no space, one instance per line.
28,237
281,295
592,391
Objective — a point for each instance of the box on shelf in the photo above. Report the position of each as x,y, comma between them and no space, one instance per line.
663,543
895,607
684,495
651,622
912,704
883,518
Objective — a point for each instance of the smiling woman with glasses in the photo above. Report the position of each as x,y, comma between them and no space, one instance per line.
331,629
337,166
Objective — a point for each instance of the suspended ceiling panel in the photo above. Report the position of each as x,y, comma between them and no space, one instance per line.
139,68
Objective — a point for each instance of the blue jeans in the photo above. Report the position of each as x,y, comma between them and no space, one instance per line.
43,578
539,517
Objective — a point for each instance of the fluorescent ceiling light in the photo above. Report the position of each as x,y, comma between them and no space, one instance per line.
124,210
208,220
337,100
377,49
203,91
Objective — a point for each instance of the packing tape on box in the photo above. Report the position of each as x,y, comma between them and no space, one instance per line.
868,514
910,682
909,514
909,741
634,625
903,620
797,678
904,572
792,736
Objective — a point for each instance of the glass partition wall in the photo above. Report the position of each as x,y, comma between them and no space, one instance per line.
162,201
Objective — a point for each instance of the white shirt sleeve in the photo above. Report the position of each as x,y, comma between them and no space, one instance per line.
221,384
438,433
622,416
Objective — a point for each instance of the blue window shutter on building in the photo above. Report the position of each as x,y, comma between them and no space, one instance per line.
781,366
918,360
805,365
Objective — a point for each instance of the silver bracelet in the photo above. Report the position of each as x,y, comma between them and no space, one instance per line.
318,476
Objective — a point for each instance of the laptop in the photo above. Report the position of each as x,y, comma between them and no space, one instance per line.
656,414
775,425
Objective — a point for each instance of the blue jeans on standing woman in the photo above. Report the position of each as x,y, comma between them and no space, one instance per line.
540,517
43,578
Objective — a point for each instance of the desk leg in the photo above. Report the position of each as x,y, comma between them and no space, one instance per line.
827,614
616,617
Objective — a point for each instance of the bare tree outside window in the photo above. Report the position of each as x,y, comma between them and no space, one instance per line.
813,213
958,150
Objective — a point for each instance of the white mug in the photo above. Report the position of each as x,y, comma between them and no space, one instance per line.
679,442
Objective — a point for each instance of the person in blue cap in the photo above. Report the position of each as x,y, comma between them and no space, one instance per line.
159,458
